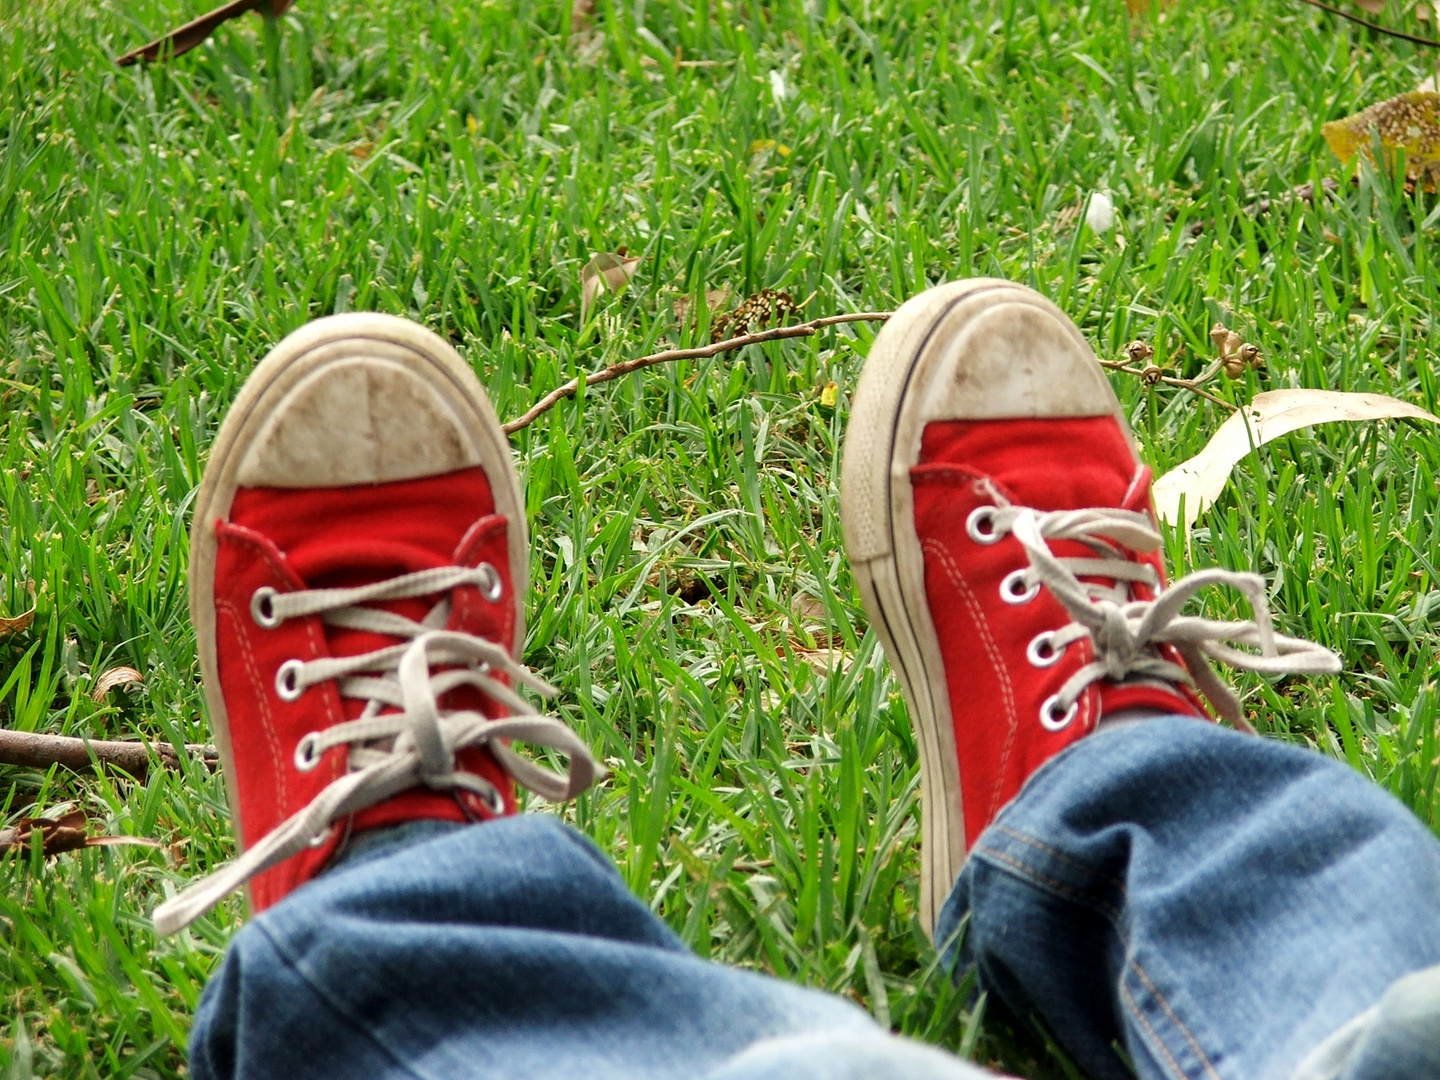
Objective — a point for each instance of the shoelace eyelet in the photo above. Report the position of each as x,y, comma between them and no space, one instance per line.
491,587
496,802
976,525
1052,719
1015,590
1042,652
287,680
323,835
262,607
306,757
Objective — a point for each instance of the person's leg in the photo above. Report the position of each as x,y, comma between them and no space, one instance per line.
1212,904
358,583
510,948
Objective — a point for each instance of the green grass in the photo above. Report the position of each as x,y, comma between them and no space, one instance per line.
458,163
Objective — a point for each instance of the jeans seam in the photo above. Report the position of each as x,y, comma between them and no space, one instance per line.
333,1005
1071,892
1066,891
1055,853
1134,1009
1174,1019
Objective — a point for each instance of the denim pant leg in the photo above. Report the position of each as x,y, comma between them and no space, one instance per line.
1214,904
511,949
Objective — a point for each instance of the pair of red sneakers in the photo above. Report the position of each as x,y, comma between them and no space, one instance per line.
359,564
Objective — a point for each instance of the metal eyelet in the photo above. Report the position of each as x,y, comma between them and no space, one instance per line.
491,587
1041,651
287,680
1015,590
262,607
1052,718
981,525
319,838
307,757
496,802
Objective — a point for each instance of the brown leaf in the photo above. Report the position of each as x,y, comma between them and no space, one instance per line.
117,676
1410,122
17,624
1374,7
604,272
582,16
715,300
65,833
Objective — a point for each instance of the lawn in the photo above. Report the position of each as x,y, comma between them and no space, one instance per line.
459,163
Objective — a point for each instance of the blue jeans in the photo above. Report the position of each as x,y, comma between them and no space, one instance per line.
1215,906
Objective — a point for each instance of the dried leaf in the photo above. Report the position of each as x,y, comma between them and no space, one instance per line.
1374,7
605,271
829,395
17,624
1410,122
116,676
63,833
715,300
1142,7
1272,414
582,16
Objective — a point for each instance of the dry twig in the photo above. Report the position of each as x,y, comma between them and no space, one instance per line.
1373,26
614,371
41,751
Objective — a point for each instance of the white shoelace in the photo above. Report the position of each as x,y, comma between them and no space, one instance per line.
1125,631
396,751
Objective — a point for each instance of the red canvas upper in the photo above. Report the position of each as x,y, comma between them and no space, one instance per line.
995,692
338,537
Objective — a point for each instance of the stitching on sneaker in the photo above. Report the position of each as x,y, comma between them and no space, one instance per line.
262,693
992,649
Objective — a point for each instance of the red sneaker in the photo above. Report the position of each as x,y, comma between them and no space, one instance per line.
999,525
357,576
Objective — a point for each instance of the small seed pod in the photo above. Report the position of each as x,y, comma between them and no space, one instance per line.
1139,352
1152,374
1233,367
1226,341
1250,354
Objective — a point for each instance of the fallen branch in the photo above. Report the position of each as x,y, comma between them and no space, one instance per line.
41,751
185,38
1373,26
625,367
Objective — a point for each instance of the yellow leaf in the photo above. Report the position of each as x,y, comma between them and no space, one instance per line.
829,395
1410,122
759,146
471,124
782,150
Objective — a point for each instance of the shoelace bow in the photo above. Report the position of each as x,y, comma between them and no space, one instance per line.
393,752
1125,631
